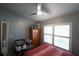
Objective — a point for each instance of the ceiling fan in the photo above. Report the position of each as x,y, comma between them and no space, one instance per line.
38,12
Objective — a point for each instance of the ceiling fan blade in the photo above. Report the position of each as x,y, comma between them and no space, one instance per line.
33,14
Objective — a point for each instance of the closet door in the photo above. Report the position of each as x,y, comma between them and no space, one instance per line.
36,37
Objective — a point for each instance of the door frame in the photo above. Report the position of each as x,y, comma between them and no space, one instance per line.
2,31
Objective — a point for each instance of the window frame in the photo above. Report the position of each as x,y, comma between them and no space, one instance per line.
70,34
48,34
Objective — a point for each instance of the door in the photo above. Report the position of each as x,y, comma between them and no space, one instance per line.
0,37
4,37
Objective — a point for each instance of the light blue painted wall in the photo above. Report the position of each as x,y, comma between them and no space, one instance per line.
18,24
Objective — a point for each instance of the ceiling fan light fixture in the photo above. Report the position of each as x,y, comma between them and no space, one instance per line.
39,12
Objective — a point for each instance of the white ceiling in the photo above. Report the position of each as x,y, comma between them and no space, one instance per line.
49,9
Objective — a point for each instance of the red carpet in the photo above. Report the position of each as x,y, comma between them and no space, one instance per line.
47,50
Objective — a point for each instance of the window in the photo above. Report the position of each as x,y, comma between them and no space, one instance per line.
62,30
61,36
61,42
48,34
58,35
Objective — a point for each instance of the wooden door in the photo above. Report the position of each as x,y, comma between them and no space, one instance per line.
36,37
4,31
4,37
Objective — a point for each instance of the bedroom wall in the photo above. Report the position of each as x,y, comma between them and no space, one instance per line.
18,24
74,18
